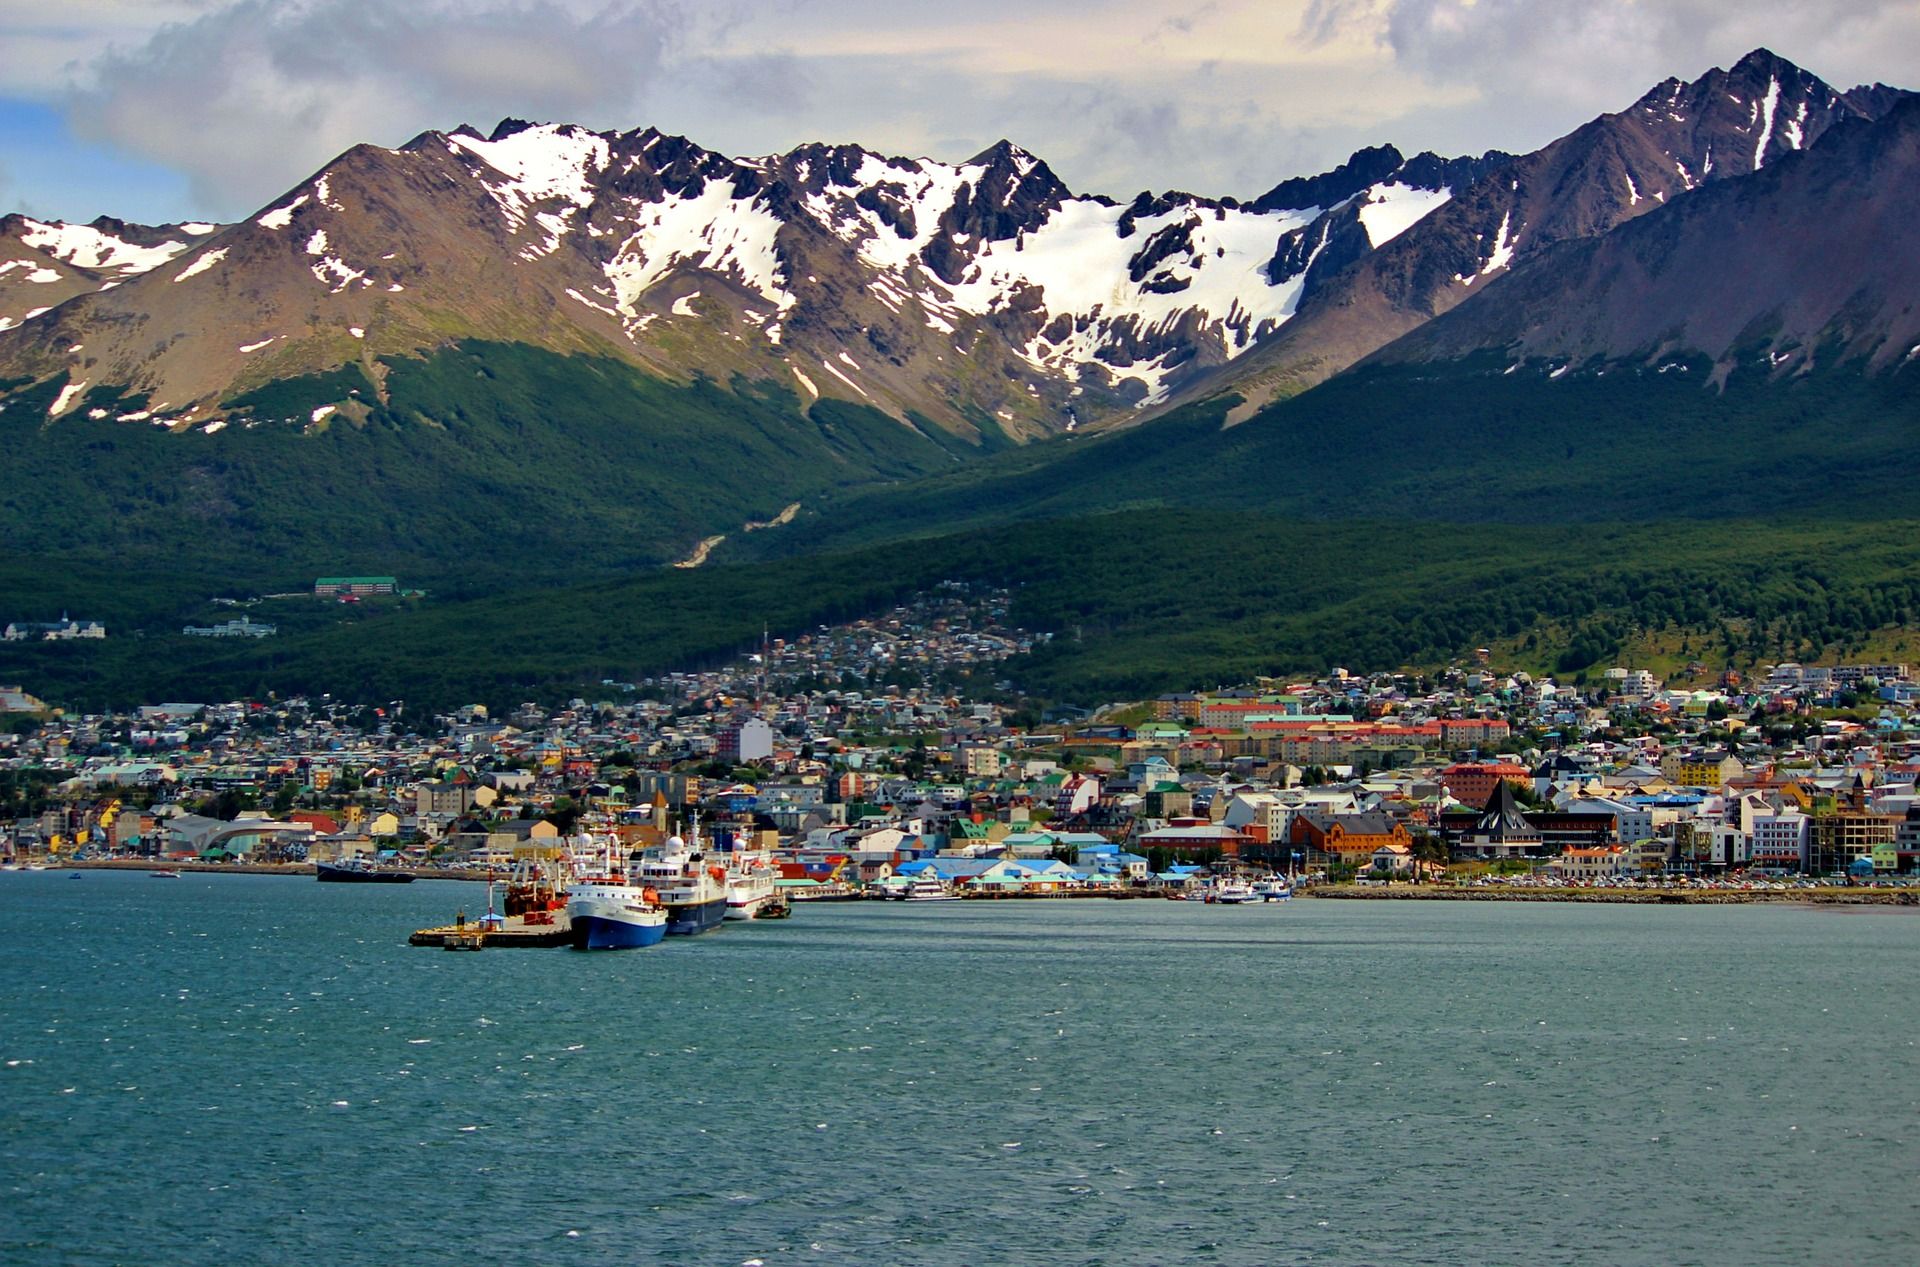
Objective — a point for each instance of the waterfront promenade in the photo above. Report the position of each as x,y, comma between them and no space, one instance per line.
1673,894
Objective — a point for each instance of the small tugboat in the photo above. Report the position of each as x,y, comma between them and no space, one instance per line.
358,871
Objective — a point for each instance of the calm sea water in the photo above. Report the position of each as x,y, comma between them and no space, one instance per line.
224,1070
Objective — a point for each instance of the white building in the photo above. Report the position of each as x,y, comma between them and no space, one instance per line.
1780,839
1631,823
1632,683
751,740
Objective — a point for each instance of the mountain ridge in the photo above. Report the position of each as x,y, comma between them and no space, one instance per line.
1597,177
985,295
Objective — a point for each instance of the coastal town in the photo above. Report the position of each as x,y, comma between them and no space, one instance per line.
846,755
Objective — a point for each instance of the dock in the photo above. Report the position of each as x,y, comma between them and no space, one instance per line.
513,932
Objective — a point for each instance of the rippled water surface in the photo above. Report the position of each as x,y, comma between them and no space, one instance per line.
237,1069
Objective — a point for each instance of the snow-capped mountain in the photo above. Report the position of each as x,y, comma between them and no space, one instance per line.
42,265
983,295
983,298
1809,265
1675,138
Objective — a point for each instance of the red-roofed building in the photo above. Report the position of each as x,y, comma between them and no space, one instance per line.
1473,784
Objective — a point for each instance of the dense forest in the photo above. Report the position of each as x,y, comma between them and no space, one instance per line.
1137,603
1394,516
478,463
1466,442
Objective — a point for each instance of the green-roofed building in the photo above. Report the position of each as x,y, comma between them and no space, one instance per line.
337,586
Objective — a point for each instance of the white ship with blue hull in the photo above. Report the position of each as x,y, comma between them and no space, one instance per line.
608,914
609,910
692,885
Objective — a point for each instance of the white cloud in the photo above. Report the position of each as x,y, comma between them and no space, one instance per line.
1538,68
247,97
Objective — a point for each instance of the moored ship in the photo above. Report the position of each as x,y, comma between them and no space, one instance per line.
692,884
359,871
927,887
607,912
750,875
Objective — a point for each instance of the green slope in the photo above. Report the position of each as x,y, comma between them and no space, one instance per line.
1392,516
1139,603
1464,442
481,462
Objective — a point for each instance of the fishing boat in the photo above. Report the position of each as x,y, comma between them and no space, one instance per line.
1274,890
358,871
691,883
539,883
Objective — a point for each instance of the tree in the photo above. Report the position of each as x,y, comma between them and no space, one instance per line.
1429,849
564,814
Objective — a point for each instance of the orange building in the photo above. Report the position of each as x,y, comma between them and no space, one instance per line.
1350,838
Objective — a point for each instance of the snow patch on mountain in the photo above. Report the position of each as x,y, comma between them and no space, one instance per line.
37,273
332,272
1796,128
1213,268
552,163
1767,107
281,217
84,246
64,401
1392,209
610,311
843,378
923,189
711,230
201,265
1503,243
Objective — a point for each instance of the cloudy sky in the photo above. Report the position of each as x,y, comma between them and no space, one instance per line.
207,109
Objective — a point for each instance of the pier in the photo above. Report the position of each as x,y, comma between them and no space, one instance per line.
513,932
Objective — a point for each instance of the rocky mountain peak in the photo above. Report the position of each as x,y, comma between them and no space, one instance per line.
1365,167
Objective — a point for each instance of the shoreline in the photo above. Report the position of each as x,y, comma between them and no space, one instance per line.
1640,897
244,868
1326,892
